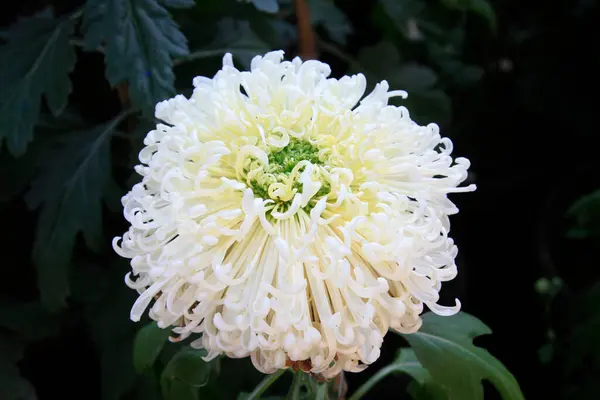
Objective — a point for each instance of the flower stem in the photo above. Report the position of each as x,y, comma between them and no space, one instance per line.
264,384
368,385
294,393
322,392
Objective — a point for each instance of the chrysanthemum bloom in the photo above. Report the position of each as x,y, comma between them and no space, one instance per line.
283,218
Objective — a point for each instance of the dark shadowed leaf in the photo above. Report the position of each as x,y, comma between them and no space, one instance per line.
179,3
12,385
444,346
237,38
140,39
282,33
188,367
31,321
481,7
117,376
180,391
269,6
106,302
148,387
586,212
149,341
425,102
41,59
331,18
73,179
414,77
426,106
402,11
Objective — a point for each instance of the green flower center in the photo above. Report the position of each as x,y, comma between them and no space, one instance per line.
279,181
284,160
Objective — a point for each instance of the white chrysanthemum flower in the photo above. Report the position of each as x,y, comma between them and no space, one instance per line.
283,218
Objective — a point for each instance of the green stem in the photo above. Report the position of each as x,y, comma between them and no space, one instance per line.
264,384
195,55
294,393
368,385
321,392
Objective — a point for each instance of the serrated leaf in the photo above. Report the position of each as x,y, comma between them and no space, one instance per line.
481,7
331,18
74,177
179,3
149,341
238,38
140,40
268,6
41,59
448,341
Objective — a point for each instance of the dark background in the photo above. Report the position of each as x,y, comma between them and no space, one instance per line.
529,128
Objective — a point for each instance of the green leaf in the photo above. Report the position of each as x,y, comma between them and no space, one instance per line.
107,314
140,40
425,102
41,59
238,38
406,363
180,391
402,11
406,76
12,385
188,367
586,212
414,77
268,6
74,177
334,21
148,345
430,105
31,321
481,7
179,3
117,373
444,346
582,349
148,388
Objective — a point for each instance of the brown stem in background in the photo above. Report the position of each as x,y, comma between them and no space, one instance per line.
125,100
307,48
